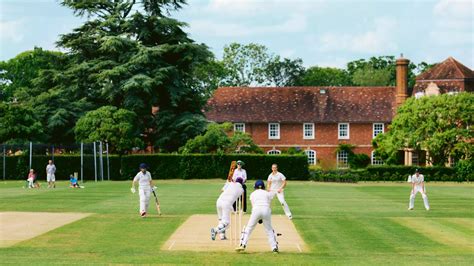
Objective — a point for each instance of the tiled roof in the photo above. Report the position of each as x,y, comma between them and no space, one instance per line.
448,69
302,104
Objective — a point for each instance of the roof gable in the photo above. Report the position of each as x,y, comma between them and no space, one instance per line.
446,70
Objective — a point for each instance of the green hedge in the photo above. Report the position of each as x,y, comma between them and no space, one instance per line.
162,166
17,166
385,173
204,166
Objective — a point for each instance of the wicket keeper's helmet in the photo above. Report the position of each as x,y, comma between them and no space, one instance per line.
259,184
143,166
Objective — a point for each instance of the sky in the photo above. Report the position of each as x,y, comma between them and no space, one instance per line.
321,32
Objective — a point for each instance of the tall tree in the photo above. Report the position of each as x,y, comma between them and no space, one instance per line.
18,75
132,55
325,76
284,72
442,125
112,125
18,124
253,65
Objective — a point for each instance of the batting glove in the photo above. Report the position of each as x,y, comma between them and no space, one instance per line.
133,190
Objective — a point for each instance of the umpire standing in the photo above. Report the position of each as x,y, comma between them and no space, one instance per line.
240,172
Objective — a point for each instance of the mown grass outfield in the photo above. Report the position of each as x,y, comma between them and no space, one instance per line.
365,223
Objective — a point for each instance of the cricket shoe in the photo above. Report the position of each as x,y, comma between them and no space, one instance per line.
240,248
290,217
213,234
275,250
143,214
223,237
410,209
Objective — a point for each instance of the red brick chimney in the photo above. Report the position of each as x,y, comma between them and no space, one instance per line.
402,80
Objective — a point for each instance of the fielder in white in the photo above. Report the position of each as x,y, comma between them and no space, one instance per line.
145,186
261,210
231,192
276,183
418,185
50,174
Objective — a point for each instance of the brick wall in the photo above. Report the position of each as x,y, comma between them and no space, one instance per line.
325,141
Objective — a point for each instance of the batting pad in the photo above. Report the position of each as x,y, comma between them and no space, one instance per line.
194,235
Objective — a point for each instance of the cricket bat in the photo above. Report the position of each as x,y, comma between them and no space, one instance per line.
157,203
233,165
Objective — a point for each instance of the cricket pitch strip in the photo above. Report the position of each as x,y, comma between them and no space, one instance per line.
194,235
19,226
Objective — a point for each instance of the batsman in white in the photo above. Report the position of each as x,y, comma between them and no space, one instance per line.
145,186
418,185
276,183
231,192
261,210
50,174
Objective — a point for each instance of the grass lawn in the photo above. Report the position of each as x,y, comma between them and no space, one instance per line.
365,223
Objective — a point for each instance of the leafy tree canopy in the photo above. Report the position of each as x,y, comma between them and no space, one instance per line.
442,125
18,124
216,139
110,124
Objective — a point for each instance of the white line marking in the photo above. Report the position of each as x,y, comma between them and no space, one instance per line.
299,248
171,246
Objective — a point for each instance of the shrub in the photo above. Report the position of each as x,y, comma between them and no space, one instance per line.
465,170
357,161
387,173
202,166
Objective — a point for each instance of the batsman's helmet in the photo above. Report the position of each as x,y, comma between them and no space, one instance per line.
259,184
143,166
239,180
240,162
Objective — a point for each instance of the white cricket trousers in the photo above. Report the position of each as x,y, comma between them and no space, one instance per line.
423,195
265,214
223,212
144,194
281,198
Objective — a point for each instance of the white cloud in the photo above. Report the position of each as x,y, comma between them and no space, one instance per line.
377,40
246,8
454,8
12,30
209,27
453,23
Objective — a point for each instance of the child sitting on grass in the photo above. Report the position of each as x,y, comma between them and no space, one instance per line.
73,181
32,182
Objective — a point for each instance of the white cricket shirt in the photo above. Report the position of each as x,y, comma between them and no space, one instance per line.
143,179
277,180
261,198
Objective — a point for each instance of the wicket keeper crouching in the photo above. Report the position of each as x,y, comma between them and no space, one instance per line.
231,192
261,210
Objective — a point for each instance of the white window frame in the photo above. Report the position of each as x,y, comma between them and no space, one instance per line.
339,131
374,160
269,131
339,157
239,124
311,161
373,129
312,131
274,152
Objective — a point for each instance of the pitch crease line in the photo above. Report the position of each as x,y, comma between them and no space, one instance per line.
171,246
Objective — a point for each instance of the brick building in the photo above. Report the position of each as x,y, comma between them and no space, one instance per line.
314,119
